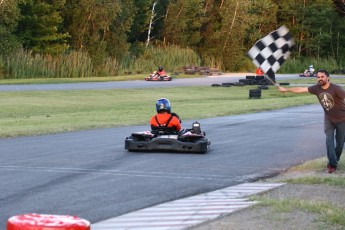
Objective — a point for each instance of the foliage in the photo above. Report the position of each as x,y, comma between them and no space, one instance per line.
40,25
9,16
98,28
232,28
315,25
182,16
112,33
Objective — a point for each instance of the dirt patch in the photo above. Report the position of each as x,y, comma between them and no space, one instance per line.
260,217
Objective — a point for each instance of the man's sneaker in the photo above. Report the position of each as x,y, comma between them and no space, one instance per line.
331,169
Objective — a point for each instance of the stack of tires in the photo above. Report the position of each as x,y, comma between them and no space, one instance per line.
255,93
255,80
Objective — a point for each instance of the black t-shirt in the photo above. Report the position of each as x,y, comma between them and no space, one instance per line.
331,100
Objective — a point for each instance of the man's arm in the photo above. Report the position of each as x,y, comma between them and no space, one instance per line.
294,89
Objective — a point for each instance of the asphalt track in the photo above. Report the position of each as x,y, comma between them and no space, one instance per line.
204,81
90,175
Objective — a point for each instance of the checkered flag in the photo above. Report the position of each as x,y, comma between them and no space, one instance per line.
270,52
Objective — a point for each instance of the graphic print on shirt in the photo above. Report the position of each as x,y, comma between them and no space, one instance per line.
326,101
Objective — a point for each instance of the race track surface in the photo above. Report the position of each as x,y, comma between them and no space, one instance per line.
89,173
202,81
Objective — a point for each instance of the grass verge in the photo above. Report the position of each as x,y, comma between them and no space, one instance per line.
43,112
311,173
328,213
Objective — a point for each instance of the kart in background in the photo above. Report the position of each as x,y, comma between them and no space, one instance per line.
157,77
307,74
163,139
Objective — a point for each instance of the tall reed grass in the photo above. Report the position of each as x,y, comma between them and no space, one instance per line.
298,65
170,57
22,64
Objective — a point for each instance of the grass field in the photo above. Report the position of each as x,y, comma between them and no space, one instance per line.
44,112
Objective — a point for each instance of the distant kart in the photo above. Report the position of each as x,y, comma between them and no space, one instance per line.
157,77
308,74
165,140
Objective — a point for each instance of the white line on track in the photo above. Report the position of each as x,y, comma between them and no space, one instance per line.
187,212
122,173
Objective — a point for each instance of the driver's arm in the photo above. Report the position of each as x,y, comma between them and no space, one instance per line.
294,89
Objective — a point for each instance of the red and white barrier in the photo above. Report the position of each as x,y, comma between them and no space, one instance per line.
46,222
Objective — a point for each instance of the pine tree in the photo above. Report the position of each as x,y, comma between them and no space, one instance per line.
40,26
9,16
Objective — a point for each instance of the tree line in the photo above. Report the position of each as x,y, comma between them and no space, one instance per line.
219,32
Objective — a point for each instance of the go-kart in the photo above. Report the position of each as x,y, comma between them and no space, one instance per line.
157,77
308,74
165,139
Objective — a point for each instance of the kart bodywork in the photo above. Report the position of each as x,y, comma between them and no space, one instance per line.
157,77
308,75
164,140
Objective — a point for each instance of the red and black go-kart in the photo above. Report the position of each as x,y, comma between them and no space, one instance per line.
156,77
163,139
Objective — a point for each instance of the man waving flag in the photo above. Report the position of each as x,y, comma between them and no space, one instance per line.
270,52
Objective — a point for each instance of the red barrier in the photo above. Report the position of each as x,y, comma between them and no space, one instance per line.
46,222
259,71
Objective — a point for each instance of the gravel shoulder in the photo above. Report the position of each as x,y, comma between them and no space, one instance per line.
278,216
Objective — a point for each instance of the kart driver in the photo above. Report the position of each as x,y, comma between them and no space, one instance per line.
164,118
161,72
310,70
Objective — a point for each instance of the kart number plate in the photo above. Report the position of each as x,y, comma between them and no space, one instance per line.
169,136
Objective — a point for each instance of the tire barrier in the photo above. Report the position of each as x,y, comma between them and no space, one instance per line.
46,222
245,81
250,77
262,86
255,93
227,84
260,77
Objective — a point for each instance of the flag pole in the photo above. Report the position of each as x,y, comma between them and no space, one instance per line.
270,79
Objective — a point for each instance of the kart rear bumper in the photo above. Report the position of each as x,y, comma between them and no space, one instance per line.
167,78
167,145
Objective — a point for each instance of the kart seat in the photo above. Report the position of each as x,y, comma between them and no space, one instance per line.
163,130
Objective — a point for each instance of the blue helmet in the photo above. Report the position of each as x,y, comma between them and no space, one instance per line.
163,104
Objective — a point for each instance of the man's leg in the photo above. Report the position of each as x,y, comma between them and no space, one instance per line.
329,131
339,138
